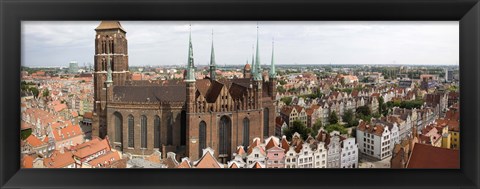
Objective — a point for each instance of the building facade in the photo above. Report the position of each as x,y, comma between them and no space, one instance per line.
177,116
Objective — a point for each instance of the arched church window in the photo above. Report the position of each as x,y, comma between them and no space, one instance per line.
202,136
265,122
156,138
118,127
144,131
170,130
131,132
246,132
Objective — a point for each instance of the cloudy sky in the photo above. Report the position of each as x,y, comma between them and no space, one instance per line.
54,43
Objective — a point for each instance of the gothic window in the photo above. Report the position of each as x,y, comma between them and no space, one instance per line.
102,43
156,130
246,132
118,127
183,128
202,136
144,131
224,136
103,64
265,122
170,130
131,132
112,46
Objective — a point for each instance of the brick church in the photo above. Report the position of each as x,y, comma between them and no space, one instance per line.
178,116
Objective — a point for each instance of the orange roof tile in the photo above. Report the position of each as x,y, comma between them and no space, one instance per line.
59,160
91,147
184,164
59,107
105,159
257,165
285,144
271,143
33,141
240,150
67,132
207,161
427,156
27,161
234,165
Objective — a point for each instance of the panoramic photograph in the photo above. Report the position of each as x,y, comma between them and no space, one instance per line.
240,94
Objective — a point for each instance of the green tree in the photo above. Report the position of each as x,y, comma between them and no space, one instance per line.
287,100
297,126
280,89
316,126
282,82
24,134
46,93
336,127
333,118
364,110
349,118
35,91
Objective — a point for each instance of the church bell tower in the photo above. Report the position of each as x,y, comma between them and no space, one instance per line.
111,54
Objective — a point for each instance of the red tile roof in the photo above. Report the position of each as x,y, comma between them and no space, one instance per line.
33,141
184,164
59,160
66,132
59,107
208,161
427,156
285,144
27,161
105,159
91,147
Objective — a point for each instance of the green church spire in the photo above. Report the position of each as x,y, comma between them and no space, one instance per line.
253,61
272,73
212,62
190,67
258,70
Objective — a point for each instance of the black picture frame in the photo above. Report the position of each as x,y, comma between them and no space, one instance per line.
13,12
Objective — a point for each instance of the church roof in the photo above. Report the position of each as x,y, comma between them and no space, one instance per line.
107,25
170,93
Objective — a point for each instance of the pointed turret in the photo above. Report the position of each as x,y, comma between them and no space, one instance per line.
272,73
190,76
212,62
253,61
258,70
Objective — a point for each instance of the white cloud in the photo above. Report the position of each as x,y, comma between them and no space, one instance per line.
161,43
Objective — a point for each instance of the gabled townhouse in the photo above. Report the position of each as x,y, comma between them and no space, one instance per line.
292,113
275,157
256,153
33,145
375,139
349,157
334,151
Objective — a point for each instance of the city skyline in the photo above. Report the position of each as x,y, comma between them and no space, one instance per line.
303,43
